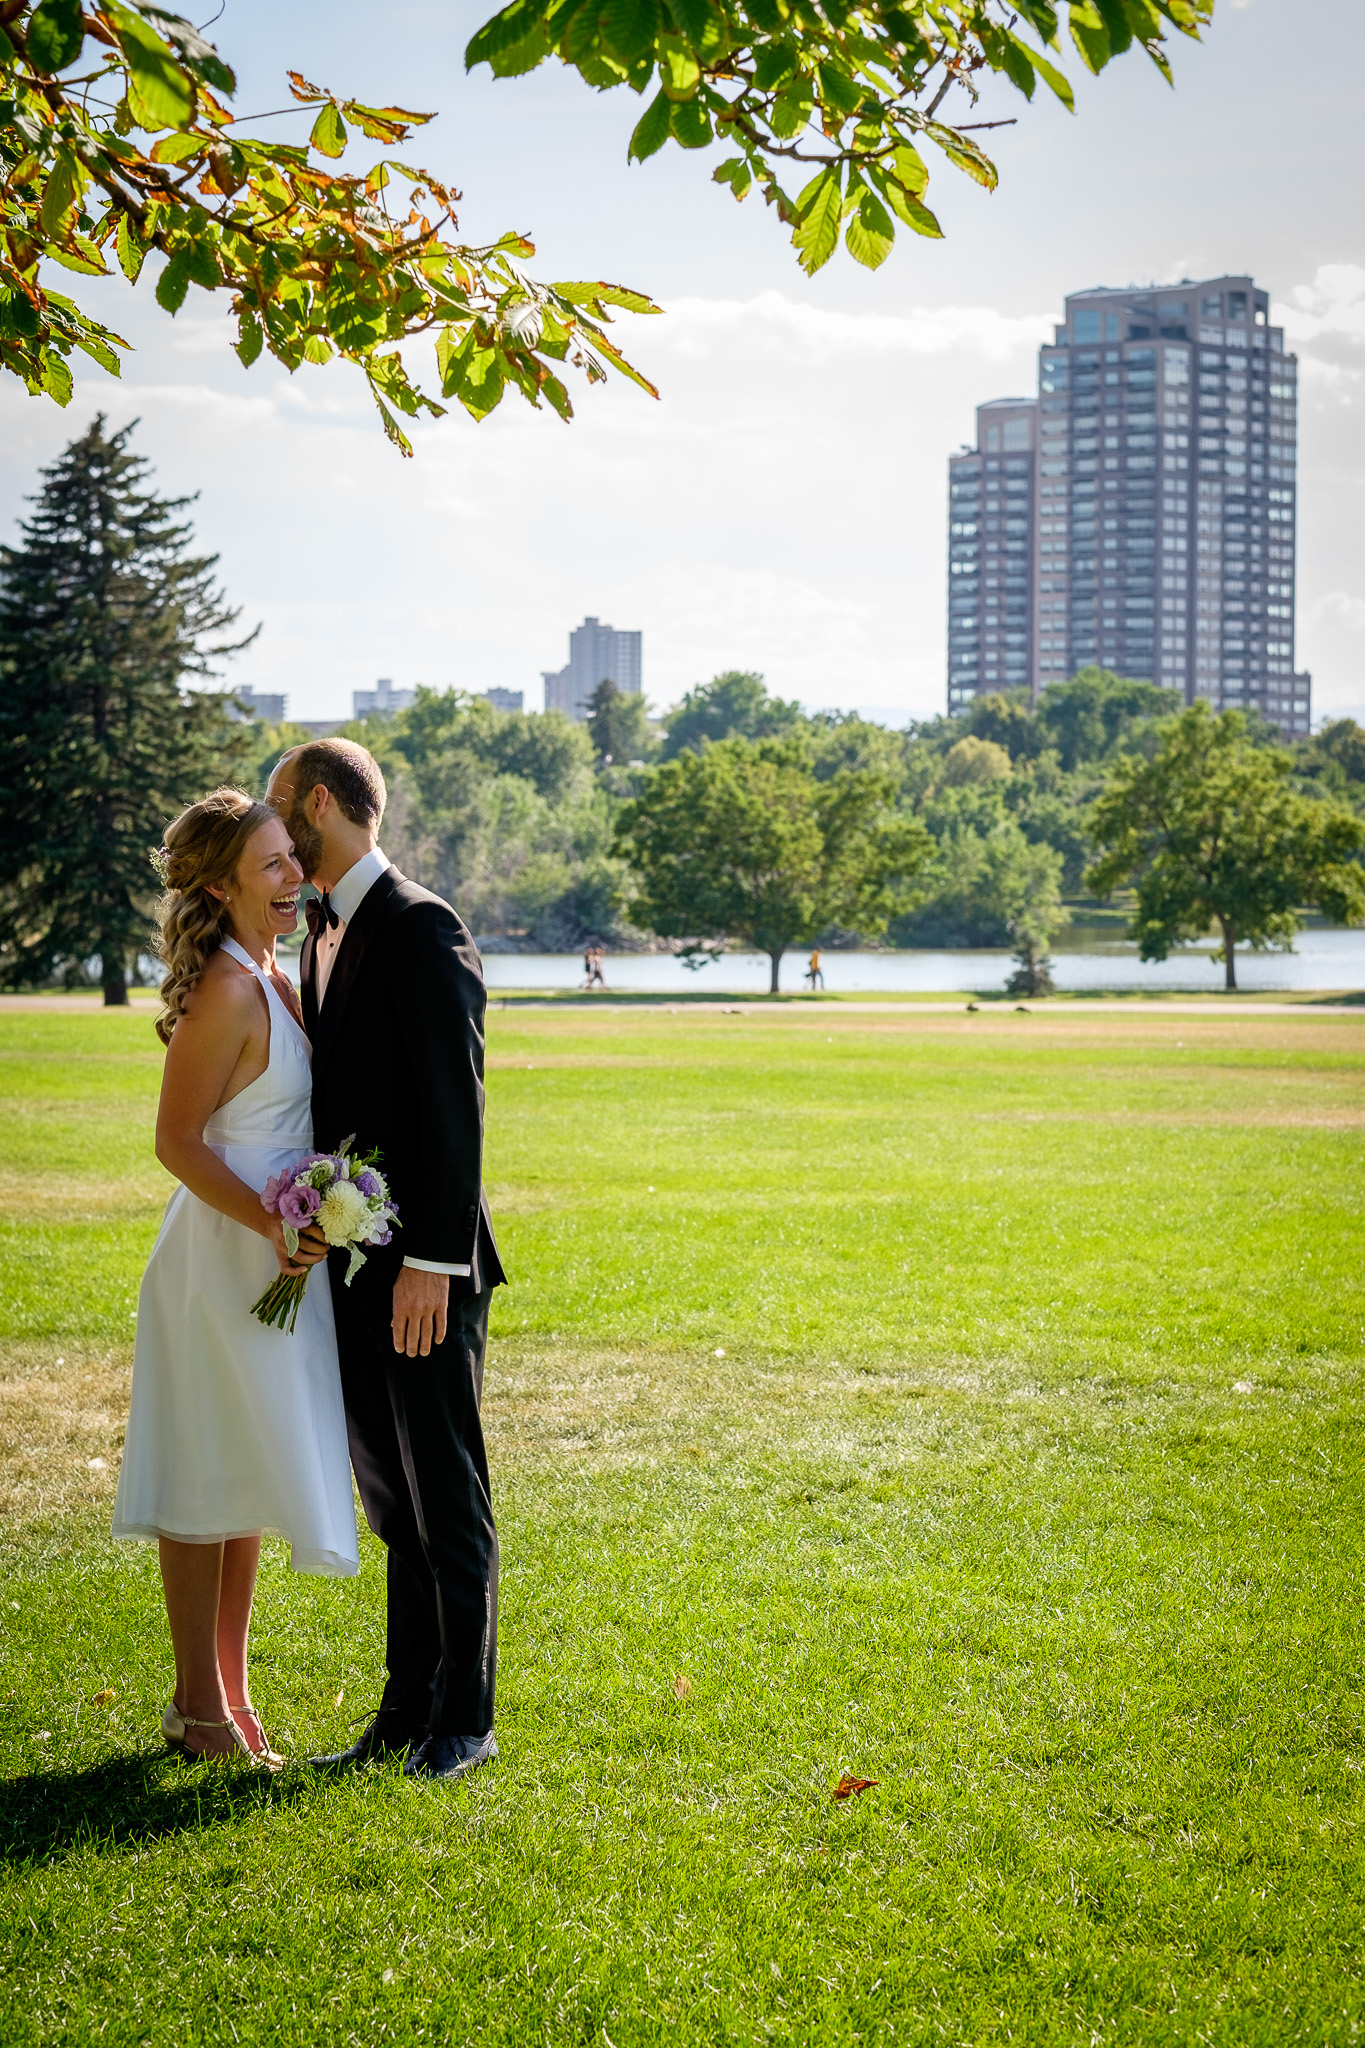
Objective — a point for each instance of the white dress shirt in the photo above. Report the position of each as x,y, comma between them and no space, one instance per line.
346,899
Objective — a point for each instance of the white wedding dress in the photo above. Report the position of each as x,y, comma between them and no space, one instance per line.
235,1427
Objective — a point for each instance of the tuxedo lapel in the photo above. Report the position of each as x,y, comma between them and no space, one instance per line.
308,985
346,965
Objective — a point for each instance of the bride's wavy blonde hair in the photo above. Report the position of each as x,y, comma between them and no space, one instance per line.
203,851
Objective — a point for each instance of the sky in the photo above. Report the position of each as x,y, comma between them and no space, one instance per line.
781,507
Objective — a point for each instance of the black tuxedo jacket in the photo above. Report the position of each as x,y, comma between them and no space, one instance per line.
398,1060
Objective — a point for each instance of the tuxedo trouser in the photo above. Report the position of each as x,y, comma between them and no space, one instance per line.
420,1465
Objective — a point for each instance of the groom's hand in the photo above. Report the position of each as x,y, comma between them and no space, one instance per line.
419,1310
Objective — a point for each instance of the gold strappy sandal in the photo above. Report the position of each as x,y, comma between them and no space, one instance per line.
175,1726
269,1759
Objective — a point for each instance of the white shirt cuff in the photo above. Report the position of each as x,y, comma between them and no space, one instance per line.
434,1266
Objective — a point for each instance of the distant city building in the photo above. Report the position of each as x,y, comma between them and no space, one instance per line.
504,700
597,654
1140,512
255,704
381,699
990,594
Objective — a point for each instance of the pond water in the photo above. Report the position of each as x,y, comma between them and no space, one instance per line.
1321,959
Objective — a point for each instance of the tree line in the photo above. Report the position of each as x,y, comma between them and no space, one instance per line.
736,818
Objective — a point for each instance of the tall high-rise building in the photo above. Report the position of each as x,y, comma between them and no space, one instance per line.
1151,485
992,494
597,654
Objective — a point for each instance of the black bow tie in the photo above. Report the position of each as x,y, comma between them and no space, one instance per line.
318,911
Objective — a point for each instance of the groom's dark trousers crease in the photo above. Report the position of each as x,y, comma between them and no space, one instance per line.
418,1452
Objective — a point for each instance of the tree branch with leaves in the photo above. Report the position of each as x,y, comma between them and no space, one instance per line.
117,143
852,90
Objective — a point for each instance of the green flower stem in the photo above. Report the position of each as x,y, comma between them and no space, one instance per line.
278,1307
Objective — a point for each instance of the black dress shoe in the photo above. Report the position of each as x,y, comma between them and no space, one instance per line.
388,1734
450,1756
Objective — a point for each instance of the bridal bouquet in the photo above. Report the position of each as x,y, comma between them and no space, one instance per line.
347,1197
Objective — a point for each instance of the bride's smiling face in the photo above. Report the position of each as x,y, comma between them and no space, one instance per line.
263,900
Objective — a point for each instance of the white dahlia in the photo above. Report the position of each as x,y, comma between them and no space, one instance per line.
344,1215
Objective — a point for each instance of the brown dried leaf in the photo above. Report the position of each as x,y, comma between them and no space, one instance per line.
848,1788
340,1697
102,1699
682,1687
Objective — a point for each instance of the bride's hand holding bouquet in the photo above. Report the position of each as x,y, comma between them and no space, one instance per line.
336,1196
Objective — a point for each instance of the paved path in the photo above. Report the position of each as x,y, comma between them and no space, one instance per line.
1236,1006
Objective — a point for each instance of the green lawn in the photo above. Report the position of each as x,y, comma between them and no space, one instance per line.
970,1404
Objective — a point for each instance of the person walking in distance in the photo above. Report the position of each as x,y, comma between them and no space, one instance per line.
393,1001
596,976
815,973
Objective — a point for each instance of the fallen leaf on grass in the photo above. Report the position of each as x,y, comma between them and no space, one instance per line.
682,1687
340,1697
103,1698
848,1787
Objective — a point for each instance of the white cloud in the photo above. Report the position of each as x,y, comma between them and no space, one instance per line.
1336,608
1324,320
824,333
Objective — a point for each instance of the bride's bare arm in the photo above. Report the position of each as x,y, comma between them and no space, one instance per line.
211,1046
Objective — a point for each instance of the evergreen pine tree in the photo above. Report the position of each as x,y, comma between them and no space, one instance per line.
103,614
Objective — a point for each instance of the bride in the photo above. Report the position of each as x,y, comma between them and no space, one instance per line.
234,1428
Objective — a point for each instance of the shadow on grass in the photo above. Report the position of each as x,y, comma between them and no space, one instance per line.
125,1802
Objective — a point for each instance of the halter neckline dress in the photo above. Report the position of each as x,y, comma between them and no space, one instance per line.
234,1427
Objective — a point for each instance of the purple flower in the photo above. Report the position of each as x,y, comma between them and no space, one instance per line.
368,1183
385,1237
299,1205
278,1184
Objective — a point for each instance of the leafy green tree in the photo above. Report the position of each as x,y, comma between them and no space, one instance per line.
103,614
501,812
973,760
1211,833
116,142
850,94
1006,718
986,879
1335,758
618,723
1036,914
735,705
841,739
547,749
1087,718
741,841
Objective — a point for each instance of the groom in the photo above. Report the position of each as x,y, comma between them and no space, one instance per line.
393,999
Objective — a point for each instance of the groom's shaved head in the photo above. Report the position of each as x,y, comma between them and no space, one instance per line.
350,772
